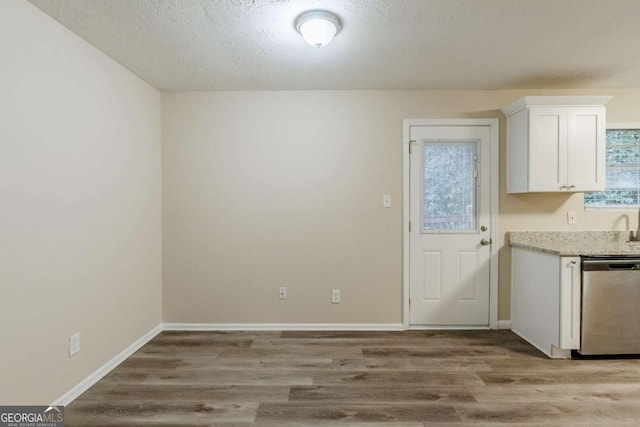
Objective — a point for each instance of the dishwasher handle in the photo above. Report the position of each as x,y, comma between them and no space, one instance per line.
600,264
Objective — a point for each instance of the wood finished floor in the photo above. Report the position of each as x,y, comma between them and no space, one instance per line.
412,378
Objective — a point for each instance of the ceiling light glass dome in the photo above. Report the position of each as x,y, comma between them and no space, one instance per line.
318,27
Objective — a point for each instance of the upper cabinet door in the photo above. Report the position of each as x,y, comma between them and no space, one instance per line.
586,148
547,148
556,144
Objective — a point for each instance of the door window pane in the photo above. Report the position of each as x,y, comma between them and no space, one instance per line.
449,191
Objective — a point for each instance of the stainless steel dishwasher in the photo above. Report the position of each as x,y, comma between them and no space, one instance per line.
610,305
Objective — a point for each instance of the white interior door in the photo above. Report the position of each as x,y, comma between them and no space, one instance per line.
450,217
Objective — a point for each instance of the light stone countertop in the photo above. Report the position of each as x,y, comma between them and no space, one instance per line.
575,243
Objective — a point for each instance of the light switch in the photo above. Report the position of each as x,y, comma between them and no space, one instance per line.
386,200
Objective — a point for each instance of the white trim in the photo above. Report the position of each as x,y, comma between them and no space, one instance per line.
495,195
623,125
406,216
97,375
447,328
611,208
567,101
282,327
495,168
504,324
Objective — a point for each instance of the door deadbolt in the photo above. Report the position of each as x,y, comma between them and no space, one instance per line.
483,228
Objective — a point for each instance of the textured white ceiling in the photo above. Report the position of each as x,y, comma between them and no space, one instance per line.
384,44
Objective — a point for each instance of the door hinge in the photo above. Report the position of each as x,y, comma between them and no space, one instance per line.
411,142
409,226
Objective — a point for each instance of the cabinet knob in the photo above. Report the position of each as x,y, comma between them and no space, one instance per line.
571,186
563,187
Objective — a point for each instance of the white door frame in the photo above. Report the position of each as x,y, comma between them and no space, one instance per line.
493,260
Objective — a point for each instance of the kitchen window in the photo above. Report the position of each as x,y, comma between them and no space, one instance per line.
622,169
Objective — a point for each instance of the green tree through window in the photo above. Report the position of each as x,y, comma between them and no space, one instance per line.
622,169
449,186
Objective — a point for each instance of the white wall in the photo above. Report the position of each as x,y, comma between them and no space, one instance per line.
268,189
276,189
80,244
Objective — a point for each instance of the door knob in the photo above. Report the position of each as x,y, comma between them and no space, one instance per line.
485,242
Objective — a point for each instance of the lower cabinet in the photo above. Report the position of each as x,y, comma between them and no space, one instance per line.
545,300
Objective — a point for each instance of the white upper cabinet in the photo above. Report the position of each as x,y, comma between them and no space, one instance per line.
556,144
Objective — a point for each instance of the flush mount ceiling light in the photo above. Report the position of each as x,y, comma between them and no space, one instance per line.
318,27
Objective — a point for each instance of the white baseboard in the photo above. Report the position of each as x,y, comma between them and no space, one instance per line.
85,384
504,324
447,328
282,327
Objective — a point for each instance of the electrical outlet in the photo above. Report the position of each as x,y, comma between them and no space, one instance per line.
282,292
335,296
74,344
571,218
